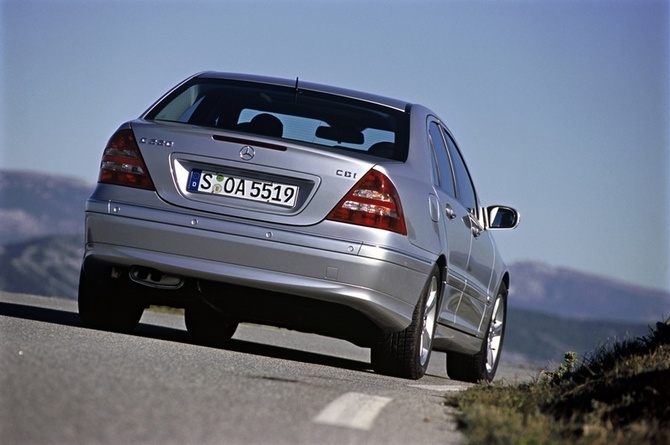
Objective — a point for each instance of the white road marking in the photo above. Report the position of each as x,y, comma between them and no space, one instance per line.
352,410
442,388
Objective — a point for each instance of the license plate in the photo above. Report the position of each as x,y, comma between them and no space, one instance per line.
201,181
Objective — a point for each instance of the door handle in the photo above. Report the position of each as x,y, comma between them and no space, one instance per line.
449,211
476,231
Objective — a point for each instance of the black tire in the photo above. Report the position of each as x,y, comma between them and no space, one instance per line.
406,353
106,302
483,365
208,326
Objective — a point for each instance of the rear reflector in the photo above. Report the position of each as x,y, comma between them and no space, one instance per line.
122,162
372,202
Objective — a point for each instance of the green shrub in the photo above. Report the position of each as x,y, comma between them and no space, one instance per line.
618,395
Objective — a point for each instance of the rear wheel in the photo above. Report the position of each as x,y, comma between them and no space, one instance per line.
105,301
207,325
483,365
406,353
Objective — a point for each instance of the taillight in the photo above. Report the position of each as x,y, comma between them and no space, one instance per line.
122,162
372,202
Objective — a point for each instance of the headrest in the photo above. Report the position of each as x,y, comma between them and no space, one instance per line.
340,135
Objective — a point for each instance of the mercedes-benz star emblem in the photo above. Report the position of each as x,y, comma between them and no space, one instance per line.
247,152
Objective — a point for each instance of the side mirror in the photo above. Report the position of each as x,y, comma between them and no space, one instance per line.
502,218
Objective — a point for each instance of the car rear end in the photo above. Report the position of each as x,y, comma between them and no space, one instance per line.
300,225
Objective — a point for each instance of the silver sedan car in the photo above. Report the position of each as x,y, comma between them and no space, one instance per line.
276,201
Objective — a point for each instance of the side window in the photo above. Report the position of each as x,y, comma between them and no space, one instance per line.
466,191
445,176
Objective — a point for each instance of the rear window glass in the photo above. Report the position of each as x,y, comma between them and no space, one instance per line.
320,119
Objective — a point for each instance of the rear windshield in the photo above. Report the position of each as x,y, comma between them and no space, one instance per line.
302,115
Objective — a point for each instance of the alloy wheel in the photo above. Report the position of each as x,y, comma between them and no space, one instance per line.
494,339
428,323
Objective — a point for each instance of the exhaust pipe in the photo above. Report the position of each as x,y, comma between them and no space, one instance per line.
147,276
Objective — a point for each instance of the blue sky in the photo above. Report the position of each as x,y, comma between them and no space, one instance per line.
560,107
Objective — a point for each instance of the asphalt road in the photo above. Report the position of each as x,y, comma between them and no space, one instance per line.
63,383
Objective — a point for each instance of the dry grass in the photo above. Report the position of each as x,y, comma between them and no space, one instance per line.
618,395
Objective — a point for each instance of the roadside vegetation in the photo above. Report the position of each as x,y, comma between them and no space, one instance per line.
618,395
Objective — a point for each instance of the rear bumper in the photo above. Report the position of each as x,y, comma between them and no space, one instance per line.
380,283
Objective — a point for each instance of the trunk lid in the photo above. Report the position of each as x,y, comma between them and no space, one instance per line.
248,176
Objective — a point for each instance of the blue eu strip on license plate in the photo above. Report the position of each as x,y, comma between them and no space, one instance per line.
194,180
200,181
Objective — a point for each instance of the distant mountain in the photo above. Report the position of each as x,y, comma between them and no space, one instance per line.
36,205
552,310
42,266
535,338
571,294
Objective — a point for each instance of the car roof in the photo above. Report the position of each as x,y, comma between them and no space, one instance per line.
302,85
